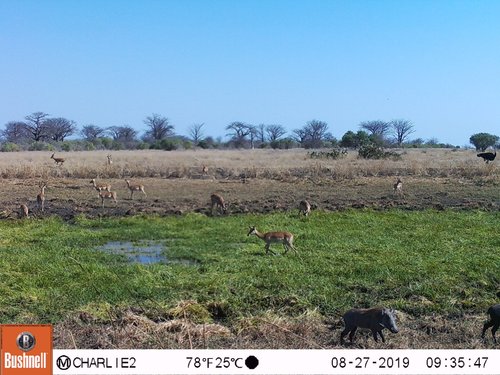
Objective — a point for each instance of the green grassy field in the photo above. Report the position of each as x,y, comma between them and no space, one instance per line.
418,262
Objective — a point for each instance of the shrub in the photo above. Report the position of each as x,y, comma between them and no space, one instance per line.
66,146
41,146
336,153
142,146
372,151
164,144
10,147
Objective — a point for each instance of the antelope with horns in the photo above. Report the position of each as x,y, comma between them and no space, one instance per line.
100,187
218,202
58,161
305,207
40,198
133,188
107,195
284,238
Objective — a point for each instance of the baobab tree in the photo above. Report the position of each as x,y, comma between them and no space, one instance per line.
401,130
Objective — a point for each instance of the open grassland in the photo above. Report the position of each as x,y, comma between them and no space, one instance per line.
432,253
258,181
230,164
217,288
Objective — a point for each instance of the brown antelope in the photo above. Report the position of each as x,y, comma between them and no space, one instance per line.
110,161
305,207
133,188
107,195
204,169
58,161
24,211
285,238
40,198
375,319
398,188
100,187
218,201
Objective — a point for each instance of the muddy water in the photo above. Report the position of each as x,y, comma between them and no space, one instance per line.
143,252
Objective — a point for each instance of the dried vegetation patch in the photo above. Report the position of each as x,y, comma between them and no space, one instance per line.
133,329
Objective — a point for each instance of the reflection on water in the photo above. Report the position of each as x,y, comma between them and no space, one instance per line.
144,252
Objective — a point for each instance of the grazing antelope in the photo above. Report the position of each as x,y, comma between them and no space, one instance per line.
110,161
40,198
375,319
285,238
218,201
107,195
101,187
133,188
398,188
58,161
24,211
305,207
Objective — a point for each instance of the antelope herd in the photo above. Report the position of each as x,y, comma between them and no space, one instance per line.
374,319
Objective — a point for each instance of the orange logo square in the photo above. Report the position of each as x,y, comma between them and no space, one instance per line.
26,349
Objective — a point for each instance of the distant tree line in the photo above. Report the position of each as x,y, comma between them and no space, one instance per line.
40,131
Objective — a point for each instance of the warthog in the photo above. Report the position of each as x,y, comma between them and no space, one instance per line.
494,312
376,319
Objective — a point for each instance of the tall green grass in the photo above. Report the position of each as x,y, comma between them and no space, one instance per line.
419,262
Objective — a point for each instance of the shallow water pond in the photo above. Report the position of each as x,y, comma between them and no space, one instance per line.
144,252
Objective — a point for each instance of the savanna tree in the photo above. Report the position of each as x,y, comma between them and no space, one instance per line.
482,141
36,126
401,129
159,127
59,128
92,132
15,132
239,132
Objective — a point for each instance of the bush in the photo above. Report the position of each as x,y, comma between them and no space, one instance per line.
372,151
66,146
143,146
41,146
10,147
165,144
336,153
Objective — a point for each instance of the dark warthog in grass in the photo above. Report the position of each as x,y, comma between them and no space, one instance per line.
494,312
375,319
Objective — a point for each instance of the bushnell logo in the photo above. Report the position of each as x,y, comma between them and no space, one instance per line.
25,341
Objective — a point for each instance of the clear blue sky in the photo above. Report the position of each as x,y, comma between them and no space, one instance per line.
436,63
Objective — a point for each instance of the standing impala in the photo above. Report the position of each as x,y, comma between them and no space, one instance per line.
398,188
58,161
40,198
107,195
24,211
133,188
110,160
100,187
285,238
218,201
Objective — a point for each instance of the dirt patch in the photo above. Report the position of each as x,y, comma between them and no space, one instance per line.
70,197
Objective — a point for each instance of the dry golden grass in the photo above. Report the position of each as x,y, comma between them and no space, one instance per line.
231,164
